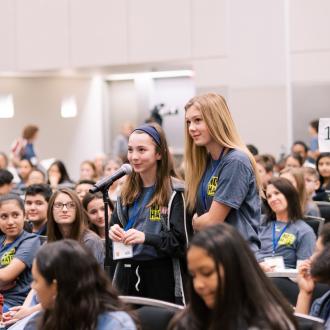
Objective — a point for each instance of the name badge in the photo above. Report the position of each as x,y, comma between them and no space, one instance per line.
121,250
277,263
212,186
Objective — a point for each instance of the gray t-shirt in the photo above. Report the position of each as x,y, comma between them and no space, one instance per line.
231,181
296,243
23,248
95,245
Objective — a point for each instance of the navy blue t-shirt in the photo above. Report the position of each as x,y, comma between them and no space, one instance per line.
231,181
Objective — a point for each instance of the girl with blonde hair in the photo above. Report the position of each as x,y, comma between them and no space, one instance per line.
221,177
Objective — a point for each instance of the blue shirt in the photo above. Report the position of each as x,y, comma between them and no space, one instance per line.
232,182
23,248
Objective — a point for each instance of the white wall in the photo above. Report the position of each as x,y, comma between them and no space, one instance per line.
250,50
38,101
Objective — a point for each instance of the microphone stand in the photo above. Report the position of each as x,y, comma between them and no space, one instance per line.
106,201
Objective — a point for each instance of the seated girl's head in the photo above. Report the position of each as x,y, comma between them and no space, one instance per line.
65,216
11,216
294,160
58,170
87,170
24,169
69,281
226,279
36,176
112,165
82,188
94,206
323,167
320,267
282,199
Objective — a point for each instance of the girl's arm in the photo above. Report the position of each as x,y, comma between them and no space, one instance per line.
216,214
9,273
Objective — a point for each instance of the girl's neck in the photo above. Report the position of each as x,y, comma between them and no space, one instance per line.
65,230
282,217
11,239
101,232
149,178
214,149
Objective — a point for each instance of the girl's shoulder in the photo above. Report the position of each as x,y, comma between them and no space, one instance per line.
115,320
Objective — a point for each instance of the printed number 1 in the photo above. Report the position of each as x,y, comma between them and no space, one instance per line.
328,132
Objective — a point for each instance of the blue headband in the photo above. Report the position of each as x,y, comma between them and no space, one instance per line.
150,130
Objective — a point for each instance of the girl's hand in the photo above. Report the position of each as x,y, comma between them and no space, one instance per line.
266,267
116,233
133,236
304,279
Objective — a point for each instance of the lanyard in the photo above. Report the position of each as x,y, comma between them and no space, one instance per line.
137,210
7,247
276,240
205,182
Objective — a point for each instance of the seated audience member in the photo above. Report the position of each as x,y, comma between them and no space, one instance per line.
253,149
317,269
323,168
36,176
312,183
99,162
82,188
92,304
297,178
58,176
3,161
24,169
300,148
17,250
112,165
227,288
6,182
293,161
265,169
36,204
283,234
66,219
87,171
94,206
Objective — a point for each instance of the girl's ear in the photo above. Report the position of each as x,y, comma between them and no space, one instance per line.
158,156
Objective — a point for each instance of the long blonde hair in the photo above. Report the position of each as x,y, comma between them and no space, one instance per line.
133,186
222,129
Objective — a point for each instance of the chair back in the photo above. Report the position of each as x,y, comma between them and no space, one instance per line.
315,222
153,313
324,210
306,322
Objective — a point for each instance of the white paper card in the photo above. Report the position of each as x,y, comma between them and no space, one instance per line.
324,135
122,251
276,262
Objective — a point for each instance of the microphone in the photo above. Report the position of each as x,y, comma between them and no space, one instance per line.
108,181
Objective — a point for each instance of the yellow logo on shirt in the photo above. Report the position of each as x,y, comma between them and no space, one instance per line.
7,257
212,186
155,213
287,239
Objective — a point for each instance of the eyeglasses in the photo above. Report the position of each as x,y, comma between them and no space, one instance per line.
69,205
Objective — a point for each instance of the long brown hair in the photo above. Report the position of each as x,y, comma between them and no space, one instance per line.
244,297
221,126
78,226
133,185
